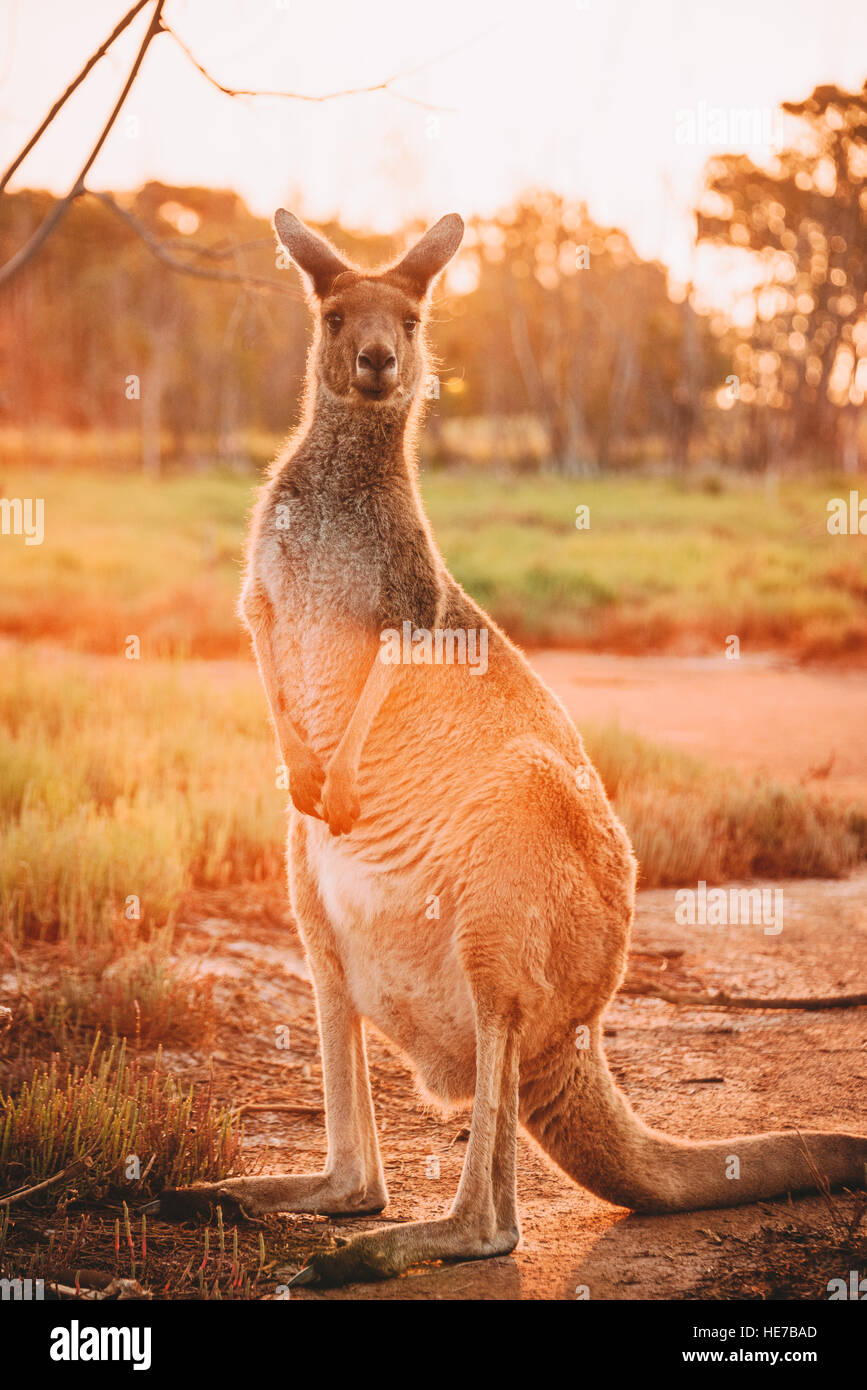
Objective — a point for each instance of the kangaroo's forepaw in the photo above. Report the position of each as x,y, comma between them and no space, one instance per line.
306,777
340,804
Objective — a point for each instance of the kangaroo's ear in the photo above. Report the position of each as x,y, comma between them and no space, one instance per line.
311,253
428,257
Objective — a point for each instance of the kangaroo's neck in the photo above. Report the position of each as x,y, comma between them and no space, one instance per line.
349,444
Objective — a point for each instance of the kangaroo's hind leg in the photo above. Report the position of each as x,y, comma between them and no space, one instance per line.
483,1219
352,1180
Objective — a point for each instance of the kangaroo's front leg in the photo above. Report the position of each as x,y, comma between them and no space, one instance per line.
340,805
305,771
352,1181
483,1220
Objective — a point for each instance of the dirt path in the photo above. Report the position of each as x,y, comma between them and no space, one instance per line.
759,713
756,713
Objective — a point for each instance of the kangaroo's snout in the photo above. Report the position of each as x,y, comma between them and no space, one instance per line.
376,368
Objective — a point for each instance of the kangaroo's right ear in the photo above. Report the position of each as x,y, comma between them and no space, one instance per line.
311,253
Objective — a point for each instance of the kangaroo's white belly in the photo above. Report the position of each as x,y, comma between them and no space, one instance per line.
401,962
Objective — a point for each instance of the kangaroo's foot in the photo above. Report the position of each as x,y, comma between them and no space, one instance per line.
388,1252
329,1194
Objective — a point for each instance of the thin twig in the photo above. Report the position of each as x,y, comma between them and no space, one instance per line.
76,82
72,1170
157,26
218,252
119,1289
720,999
47,226
157,248
310,1111
386,86
821,1181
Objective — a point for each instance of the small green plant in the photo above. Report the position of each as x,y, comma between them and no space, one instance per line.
124,1127
192,1263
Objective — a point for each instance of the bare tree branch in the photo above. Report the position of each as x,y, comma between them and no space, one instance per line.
158,249
91,63
386,86
156,26
47,226
721,999
220,251
309,1112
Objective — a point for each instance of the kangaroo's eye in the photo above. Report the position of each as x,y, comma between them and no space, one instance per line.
410,325
334,322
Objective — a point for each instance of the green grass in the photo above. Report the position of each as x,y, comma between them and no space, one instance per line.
103,1115
662,566
124,781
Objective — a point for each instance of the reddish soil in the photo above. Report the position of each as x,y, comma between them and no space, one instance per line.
758,713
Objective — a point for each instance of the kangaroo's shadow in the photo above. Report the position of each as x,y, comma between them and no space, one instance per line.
722,1252
469,1281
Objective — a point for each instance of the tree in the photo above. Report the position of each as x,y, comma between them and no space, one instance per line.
570,326
803,366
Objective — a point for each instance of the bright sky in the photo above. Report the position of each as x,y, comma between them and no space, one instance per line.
615,101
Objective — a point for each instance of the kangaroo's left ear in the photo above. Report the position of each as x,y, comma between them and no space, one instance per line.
421,265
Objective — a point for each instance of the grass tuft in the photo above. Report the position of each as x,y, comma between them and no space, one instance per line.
131,1128
689,820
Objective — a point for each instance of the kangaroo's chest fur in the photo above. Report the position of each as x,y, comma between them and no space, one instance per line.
343,551
325,580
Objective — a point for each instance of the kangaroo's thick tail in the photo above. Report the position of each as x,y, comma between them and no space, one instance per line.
576,1113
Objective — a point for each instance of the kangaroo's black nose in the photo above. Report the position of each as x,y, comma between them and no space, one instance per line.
376,357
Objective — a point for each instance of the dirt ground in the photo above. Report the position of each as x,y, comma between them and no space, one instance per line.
760,713
695,1071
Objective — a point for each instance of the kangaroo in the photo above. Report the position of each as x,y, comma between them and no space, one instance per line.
456,871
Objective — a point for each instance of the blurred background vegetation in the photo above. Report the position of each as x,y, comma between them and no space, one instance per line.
558,347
